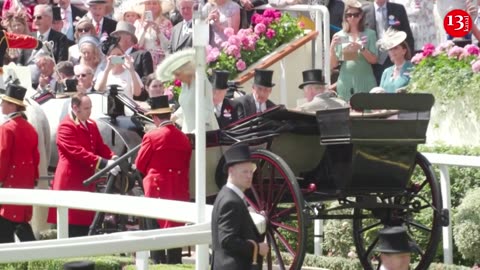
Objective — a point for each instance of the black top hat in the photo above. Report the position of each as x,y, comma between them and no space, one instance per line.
394,240
263,77
159,105
220,79
79,265
14,94
57,16
238,153
312,76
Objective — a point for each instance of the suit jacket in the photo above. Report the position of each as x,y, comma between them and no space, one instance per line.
81,151
142,61
108,26
164,159
179,41
246,106
77,12
232,227
19,159
60,49
336,8
399,14
228,114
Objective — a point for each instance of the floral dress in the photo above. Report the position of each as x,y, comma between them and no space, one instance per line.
156,43
422,23
356,76
229,9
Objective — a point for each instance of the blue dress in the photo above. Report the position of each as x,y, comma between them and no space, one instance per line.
390,84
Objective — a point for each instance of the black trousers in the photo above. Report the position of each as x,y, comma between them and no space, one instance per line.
9,228
77,230
168,256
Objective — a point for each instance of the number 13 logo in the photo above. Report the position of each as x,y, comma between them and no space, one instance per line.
457,23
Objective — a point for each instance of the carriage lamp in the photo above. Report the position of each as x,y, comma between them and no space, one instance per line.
115,107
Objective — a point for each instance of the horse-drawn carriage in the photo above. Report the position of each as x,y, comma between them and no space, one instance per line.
367,161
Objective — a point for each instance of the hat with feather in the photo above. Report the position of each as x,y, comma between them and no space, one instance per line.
173,62
391,38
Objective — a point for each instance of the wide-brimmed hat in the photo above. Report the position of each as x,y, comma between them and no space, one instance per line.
125,28
14,94
173,62
263,77
391,38
238,153
220,79
394,240
312,76
57,16
88,39
159,105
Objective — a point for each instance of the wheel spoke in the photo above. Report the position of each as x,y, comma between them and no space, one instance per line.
279,196
273,243
286,227
370,248
257,206
369,227
419,226
286,211
284,242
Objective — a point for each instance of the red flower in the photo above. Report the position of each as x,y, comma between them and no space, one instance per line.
177,83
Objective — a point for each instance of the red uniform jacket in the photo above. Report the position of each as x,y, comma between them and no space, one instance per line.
19,159
80,150
164,159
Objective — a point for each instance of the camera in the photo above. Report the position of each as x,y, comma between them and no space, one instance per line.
148,16
71,85
117,60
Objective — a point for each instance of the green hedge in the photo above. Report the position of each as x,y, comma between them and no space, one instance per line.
101,263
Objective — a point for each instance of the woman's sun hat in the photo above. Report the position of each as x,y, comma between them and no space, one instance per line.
391,38
173,62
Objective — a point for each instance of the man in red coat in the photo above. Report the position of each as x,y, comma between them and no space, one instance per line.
19,159
81,152
164,160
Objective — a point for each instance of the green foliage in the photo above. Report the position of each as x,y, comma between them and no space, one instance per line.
441,266
164,267
101,263
338,234
331,263
466,229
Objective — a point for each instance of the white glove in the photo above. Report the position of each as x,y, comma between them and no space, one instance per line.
110,162
115,170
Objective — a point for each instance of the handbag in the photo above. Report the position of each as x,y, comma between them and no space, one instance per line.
255,265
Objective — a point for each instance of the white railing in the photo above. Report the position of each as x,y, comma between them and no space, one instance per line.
443,161
121,242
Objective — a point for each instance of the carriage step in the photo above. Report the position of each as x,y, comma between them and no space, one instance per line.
445,217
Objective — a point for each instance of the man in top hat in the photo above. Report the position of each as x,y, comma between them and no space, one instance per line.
96,12
317,94
234,235
164,160
223,107
142,60
395,248
257,101
19,160
81,151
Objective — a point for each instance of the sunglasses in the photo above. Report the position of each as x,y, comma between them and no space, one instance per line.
82,75
354,15
84,30
37,17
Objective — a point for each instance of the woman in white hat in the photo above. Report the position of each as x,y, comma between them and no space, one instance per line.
181,66
398,75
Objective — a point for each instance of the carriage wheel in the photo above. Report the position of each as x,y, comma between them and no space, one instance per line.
422,222
275,194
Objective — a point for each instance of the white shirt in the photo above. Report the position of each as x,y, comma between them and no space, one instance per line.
67,28
236,190
260,107
218,109
44,35
124,80
380,17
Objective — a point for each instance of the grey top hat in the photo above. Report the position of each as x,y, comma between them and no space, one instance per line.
126,28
